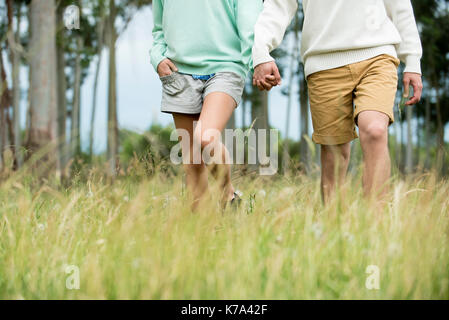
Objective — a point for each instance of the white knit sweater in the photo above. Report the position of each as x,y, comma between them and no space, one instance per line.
341,32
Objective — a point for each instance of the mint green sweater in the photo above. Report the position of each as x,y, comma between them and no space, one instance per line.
203,37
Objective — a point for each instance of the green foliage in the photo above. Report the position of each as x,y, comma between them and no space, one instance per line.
151,148
139,240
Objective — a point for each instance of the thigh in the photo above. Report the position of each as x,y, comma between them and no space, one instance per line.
217,110
185,124
331,106
376,90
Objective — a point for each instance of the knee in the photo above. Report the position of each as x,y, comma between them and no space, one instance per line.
202,140
374,132
206,142
334,154
195,169
345,153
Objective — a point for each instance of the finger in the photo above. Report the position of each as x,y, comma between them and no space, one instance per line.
413,100
406,83
277,75
171,65
266,85
259,85
164,71
271,80
417,92
256,81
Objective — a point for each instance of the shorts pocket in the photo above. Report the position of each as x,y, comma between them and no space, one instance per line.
173,84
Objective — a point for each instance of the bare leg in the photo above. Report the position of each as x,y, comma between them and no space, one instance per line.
217,110
334,166
196,174
373,127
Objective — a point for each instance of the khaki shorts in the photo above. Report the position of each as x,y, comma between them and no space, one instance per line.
181,93
339,95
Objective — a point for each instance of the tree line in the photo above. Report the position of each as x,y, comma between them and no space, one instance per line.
57,61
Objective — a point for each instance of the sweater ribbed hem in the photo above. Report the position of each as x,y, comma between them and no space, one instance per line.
211,68
413,64
261,56
332,60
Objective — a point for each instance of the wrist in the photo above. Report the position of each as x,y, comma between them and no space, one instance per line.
261,57
413,65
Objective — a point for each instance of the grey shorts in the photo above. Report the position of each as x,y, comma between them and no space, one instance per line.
181,93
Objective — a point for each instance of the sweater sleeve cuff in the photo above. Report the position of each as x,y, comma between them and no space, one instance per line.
156,59
261,56
413,64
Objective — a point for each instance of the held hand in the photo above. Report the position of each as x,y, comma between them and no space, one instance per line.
166,68
266,76
413,79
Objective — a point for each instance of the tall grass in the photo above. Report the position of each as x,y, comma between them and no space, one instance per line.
137,239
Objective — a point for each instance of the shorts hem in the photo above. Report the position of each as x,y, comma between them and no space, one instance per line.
333,140
181,111
236,99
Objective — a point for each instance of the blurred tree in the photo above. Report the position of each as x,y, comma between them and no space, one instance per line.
43,86
62,112
124,9
433,19
112,150
99,10
5,103
294,59
14,54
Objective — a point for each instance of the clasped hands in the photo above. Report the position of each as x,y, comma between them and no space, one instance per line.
266,76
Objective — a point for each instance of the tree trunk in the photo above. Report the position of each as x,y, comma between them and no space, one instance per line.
427,134
259,109
112,151
294,57
440,132
3,99
402,163
409,147
62,98
100,31
6,130
304,121
13,39
419,129
259,115
244,112
75,140
43,86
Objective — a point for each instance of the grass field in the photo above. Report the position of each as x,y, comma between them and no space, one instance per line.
138,240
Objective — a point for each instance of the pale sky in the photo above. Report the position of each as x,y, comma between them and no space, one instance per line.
139,90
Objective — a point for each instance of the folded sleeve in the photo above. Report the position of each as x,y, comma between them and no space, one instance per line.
410,49
270,28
